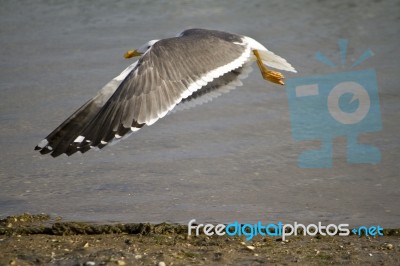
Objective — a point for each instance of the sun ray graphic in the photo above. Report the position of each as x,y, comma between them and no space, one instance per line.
343,44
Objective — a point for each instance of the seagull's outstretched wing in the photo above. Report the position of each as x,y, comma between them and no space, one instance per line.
173,69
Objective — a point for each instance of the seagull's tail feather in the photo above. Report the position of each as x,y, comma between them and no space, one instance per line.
269,58
272,60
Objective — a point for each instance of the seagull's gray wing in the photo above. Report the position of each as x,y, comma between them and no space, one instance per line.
173,69
215,88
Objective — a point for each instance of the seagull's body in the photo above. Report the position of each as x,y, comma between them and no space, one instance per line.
177,72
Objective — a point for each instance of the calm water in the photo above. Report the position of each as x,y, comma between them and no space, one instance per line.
231,159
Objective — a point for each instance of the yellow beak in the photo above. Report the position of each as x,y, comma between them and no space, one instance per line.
131,53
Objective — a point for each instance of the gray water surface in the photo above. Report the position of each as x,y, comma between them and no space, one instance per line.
231,159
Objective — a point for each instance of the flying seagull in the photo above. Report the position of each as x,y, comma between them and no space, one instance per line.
172,73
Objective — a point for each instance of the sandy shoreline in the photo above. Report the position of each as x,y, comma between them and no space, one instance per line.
41,240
